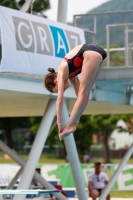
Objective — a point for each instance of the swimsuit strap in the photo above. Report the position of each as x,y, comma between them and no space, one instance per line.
65,58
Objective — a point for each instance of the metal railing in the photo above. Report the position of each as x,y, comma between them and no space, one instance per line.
95,18
126,25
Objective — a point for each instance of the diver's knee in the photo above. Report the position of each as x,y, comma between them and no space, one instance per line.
83,93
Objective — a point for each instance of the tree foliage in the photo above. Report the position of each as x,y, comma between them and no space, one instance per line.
102,125
8,124
105,124
39,6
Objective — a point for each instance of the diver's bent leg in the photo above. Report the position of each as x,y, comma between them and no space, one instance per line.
92,81
88,76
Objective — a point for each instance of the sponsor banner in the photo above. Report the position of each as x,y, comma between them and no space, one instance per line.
61,174
7,173
64,174
31,44
125,179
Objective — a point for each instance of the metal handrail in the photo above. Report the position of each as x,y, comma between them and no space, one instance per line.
93,33
104,13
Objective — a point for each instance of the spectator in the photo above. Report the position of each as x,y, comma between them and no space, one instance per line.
97,182
34,183
86,158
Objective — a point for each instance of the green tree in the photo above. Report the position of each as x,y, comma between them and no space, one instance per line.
83,135
102,125
39,6
9,3
105,124
53,136
81,132
9,123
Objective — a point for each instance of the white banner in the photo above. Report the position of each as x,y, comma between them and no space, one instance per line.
7,173
63,175
31,44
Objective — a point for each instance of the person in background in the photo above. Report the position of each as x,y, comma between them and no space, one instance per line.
97,182
86,158
34,183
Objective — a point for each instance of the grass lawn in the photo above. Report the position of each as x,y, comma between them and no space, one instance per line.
46,158
122,194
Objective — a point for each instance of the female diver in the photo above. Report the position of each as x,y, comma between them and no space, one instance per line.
86,59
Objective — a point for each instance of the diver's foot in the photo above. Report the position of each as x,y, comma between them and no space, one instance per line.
68,130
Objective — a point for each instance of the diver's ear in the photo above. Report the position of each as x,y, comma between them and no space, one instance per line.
55,80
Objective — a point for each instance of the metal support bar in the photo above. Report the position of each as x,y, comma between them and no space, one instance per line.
12,183
26,6
130,53
54,123
108,46
116,25
37,147
73,159
93,35
104,13
91,32
1,198
95,29
37,176
62,11
126,46
117,172
69,141
108,43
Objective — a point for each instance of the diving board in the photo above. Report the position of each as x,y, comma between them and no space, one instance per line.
37,192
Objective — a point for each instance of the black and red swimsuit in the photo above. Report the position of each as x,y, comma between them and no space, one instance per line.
75,63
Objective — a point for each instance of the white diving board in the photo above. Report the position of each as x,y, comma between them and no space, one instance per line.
37,192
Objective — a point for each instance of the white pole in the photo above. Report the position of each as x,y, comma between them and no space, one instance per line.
37,148
12,183
69,141
117,172
74,160
126,46
62,11
26,6
108,45
1,198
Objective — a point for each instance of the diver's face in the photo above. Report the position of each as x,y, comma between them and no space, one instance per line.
55,89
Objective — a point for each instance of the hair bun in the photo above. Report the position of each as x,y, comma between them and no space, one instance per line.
51,70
